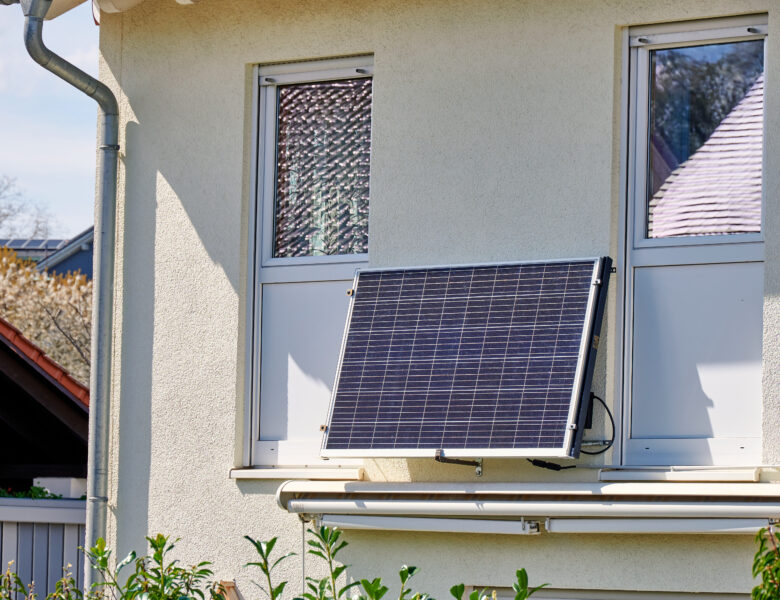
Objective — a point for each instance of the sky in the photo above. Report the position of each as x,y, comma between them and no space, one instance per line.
47,127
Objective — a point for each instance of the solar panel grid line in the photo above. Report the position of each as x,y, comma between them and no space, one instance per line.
416,375
530,349
406,383
379,397
506,353
555,347
457,358
363,366
414,326
482,349
371,333
433,360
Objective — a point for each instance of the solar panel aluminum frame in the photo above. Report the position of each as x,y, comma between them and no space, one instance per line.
578,404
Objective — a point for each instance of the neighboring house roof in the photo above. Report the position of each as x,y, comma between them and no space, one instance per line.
65,258
44,414
32,248
718,189
13,339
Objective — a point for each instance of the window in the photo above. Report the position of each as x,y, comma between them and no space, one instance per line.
314,147
694,254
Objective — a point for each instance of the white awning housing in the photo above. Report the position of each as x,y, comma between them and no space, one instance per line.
643,507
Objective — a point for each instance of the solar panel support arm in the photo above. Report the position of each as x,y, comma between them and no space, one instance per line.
477,464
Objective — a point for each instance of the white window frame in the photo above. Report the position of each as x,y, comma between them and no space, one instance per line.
634,246
263,267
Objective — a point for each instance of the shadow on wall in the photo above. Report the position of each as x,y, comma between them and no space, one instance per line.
137,341
170,196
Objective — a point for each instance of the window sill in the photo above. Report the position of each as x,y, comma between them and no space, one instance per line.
682,474
338,474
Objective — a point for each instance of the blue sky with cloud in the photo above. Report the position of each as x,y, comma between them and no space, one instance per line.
47,128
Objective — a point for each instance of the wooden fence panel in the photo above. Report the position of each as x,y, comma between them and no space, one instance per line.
8,545
70,550
40,555
42,537
24,552
55,559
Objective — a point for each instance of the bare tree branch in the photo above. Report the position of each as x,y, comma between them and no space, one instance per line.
54,318
19,216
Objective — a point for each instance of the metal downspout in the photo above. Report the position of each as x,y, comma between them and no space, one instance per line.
103,280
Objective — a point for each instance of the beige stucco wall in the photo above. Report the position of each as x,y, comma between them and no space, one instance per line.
496,137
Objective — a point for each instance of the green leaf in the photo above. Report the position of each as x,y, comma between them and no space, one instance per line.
126,561
478,594
277,591
406,572
347,587
457,591
281,558
522,578
338,548
254,542
374,589
338,571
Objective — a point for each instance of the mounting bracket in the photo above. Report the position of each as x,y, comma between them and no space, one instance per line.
439,457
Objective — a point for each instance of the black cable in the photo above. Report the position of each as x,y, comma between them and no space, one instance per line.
556,467
612,421
549,465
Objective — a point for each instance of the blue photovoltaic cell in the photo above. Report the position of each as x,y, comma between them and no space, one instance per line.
463,357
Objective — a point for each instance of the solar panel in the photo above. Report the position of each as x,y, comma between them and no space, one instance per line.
485,360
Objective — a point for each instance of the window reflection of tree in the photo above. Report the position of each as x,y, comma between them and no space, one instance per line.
692,90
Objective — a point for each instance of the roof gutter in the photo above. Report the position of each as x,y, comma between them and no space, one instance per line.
105,229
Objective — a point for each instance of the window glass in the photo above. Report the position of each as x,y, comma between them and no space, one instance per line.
323,150
705,140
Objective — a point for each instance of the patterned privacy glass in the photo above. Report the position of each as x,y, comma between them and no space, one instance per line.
322,178
705,140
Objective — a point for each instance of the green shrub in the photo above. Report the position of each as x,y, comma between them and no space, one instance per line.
35,492
154,577
157,577
766,566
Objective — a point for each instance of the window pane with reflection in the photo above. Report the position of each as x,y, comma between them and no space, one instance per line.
322,168
705,140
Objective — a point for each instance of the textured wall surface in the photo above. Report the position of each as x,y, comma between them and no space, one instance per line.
496,137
